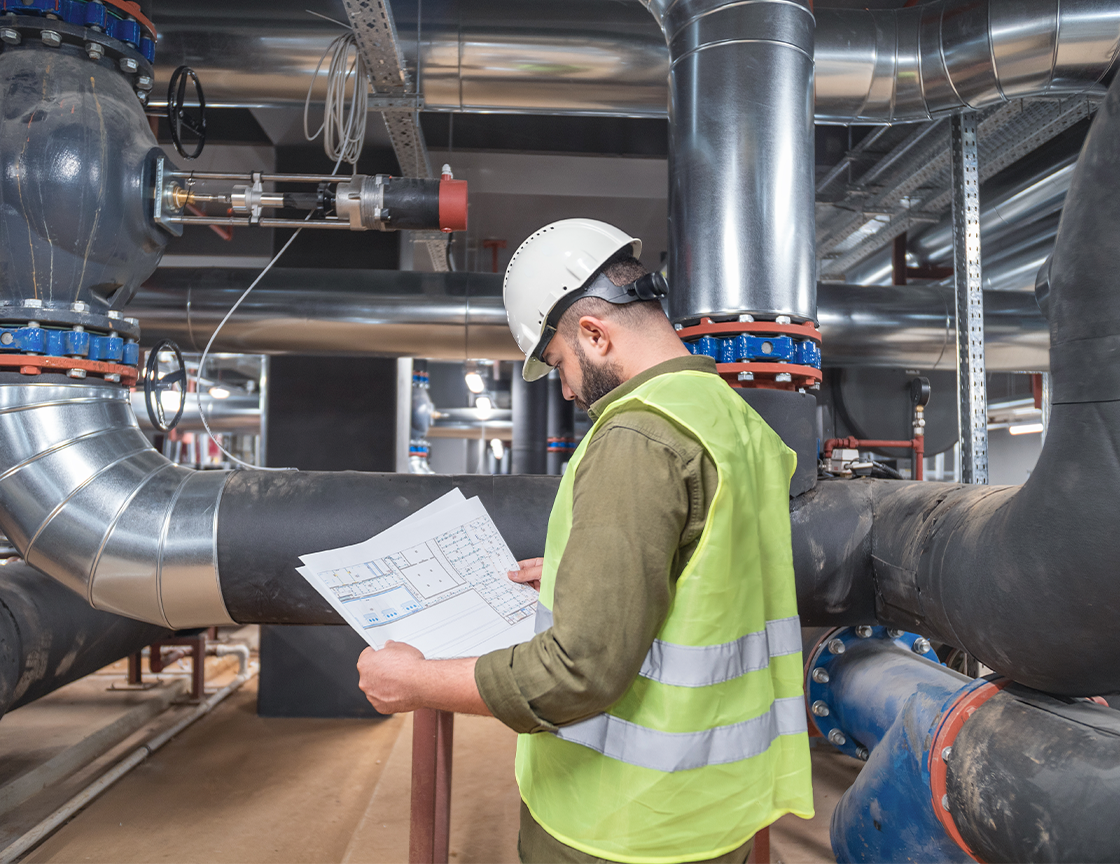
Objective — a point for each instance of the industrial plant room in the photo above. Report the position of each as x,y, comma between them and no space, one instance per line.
651,431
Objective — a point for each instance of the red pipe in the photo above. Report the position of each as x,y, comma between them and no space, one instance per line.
917,444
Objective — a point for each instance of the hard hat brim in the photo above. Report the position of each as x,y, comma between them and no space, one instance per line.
534,369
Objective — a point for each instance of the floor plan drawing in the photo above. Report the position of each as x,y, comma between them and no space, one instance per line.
438,581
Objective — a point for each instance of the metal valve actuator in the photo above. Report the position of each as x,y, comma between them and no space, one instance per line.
357,202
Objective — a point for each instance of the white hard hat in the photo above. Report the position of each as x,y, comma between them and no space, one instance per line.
556,260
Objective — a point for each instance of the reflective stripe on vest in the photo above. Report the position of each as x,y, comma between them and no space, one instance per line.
702,666
681,751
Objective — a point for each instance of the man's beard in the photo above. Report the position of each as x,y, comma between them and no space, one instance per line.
598,381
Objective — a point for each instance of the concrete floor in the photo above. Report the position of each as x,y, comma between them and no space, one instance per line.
235,787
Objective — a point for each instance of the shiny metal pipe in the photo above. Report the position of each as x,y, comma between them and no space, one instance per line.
239,413
891,65
295,312
86,500
592,57
741,187
387,313
1037,196
911,327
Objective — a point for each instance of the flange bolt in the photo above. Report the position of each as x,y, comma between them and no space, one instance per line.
95,51
945,802
920,646
862,753
837,737
835,646
894,634
820,709
50,38
129,65
76,373
863,631
946,752
10,36
820,676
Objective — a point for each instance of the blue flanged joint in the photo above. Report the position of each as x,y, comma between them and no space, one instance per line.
82,13
419,447
747,348
885,692
68,343
848,727
420,379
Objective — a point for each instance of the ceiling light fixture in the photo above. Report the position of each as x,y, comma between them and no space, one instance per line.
219,393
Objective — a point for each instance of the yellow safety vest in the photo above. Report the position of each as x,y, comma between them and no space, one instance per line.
709,743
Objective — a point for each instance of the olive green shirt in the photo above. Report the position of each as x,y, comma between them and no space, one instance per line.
640,499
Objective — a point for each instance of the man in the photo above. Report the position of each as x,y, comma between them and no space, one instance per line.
661,699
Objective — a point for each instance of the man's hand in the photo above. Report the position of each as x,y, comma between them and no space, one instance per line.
529,574
389,677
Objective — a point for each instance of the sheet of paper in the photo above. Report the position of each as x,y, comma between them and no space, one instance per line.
436,580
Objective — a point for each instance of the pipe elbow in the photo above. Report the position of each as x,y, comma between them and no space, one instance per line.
87,500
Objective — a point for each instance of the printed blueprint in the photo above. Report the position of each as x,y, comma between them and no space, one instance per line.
436,580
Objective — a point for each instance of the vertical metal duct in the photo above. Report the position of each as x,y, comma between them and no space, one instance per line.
740,157
529,404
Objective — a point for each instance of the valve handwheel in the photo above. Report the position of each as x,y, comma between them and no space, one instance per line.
156,384
177,116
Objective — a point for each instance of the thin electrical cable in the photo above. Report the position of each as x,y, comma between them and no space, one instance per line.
198,375
343,130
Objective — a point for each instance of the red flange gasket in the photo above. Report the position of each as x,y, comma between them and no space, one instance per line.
765,373
951,724
707,327
35,364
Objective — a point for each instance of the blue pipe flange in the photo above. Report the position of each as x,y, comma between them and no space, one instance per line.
819,696
746,348
94,27
69,343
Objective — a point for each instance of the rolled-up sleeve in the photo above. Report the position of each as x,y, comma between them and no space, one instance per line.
635,494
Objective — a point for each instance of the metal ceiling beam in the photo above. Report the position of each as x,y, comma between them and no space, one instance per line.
920,191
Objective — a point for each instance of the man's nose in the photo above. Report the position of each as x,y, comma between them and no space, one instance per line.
569,394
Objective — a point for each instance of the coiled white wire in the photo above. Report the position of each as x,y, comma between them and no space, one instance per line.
343,129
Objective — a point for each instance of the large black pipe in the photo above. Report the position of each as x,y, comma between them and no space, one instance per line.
267,520
1034,778
50,636
993,569
529,404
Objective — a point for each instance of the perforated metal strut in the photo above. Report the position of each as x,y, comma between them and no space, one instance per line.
971,384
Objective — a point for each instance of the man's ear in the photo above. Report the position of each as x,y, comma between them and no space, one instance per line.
595,334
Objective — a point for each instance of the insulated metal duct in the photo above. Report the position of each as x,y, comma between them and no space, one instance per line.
86,500
593,57
460,316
